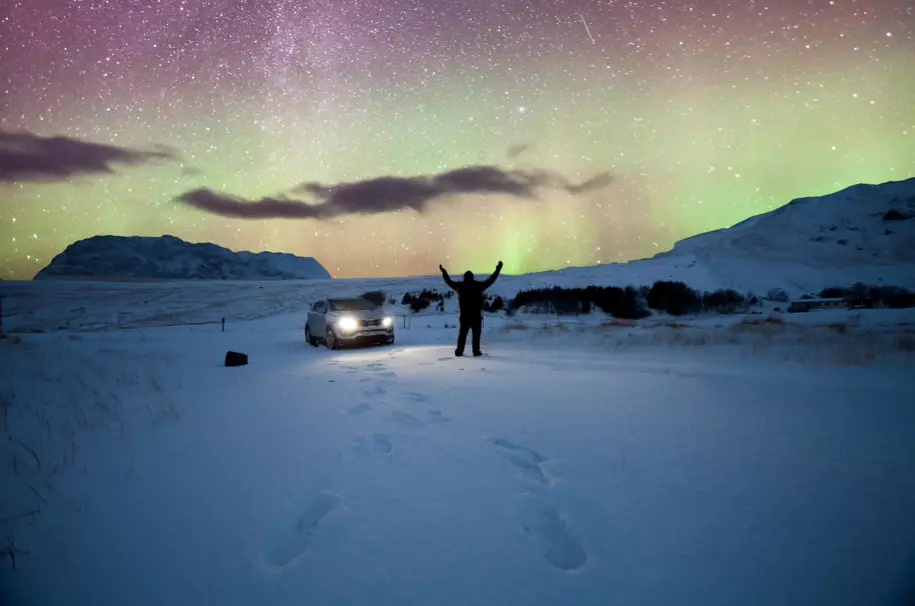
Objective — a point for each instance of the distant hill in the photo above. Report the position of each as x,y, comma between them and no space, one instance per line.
863,233
170,258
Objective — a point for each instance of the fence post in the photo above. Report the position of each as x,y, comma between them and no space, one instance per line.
223,325
1,317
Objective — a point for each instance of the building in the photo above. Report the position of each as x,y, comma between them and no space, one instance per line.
808,304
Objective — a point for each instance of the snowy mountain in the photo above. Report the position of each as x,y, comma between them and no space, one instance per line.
864,233
170,258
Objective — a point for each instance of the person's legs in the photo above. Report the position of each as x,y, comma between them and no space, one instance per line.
477,328
462,337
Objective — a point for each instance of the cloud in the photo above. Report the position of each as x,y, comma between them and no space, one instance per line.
594,183
28,157
387,194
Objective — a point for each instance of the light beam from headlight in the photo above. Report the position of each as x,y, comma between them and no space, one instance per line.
347,324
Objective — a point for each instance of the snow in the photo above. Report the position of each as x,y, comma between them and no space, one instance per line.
748,459
754,458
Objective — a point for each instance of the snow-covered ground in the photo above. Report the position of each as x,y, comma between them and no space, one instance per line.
750,459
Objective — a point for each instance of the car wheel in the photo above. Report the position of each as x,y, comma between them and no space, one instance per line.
391,340
310,337
330,339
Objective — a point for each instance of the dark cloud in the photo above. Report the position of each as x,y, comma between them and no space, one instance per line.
596,182
387,194
28,157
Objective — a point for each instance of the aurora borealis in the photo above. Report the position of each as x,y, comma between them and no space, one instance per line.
704,112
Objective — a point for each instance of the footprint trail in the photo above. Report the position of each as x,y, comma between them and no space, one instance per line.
291,538
561,549
527,460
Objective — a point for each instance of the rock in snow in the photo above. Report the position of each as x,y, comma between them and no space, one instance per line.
170,258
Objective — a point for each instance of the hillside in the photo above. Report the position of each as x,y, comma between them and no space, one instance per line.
170,258
864,233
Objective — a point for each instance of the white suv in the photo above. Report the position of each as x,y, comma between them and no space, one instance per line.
338,322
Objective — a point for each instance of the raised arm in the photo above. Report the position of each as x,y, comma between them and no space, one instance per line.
491,279
447,278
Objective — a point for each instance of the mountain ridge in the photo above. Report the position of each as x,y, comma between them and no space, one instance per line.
167,257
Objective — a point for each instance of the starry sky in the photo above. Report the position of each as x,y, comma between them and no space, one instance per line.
702,112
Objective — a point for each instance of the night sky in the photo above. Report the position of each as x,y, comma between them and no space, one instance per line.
595,131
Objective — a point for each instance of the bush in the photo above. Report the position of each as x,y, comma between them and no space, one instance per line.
618,302
418,302
676,298
723,301
834,292
625,303
493,304
862,295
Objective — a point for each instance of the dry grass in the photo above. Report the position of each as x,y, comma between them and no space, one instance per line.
618,324
839,327
758,320
54,395
906,343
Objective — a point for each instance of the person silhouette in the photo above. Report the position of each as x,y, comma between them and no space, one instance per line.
470,305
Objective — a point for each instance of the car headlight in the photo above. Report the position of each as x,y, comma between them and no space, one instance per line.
386,322
347,324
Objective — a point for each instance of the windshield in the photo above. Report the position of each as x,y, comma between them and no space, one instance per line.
352,305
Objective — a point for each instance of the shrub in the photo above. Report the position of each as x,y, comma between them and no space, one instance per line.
549,300
676,298
624,303
417,304
834,292
894,215
493,304
618,302
863,295
423,299
723,301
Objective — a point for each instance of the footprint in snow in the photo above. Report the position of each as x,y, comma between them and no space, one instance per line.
358,409
436,416
406,419
291,538
560,547
415,396
375,390
374,366
373,444
527,460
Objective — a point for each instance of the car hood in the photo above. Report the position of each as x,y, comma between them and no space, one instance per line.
372,314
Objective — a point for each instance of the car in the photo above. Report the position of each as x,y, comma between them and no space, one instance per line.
348,321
